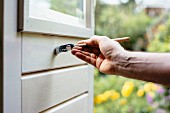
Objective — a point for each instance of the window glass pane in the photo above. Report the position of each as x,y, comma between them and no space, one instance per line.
70,7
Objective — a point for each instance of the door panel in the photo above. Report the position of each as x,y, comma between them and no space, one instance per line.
38,52
44,90
77,105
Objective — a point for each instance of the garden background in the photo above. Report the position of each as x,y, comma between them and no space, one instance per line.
149,30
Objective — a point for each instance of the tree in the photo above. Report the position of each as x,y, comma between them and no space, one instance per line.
71,7
119,21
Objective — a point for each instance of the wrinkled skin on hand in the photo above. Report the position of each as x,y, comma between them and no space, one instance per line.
101,52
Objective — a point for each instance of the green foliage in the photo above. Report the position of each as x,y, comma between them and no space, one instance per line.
120,21
132,104
70,7
135,104
161,41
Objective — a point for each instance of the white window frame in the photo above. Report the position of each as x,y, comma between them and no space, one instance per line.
66,25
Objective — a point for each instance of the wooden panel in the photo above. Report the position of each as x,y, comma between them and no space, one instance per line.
91,88
37,52
77,105
11,49
43,90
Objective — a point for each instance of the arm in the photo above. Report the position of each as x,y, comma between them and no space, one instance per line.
154,67
110,58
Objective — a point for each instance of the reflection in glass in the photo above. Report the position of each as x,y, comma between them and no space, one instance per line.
70,7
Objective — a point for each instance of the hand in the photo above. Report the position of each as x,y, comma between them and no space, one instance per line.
101,52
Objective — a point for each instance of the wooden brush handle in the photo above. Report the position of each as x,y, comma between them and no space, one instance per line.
123,39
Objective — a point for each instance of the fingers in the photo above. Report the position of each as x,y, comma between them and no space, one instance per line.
85,56
97,39
91,58
74,51
94,50
99,45
88,42
99,61
94,40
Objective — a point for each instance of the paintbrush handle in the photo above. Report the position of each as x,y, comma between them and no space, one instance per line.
123,39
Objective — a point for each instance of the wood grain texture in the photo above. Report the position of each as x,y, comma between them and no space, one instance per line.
44,90
77,105
38,52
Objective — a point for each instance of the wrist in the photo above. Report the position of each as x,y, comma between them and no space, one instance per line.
121,61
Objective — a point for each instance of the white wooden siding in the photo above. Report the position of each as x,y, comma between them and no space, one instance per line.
77,105
38,52
43,90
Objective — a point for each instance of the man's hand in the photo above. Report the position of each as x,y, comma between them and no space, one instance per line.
101,52
110,58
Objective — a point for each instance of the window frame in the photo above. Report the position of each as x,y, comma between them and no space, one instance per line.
26,23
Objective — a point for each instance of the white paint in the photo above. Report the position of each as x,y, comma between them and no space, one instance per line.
12,59
38,53
43,90
57,23
77,105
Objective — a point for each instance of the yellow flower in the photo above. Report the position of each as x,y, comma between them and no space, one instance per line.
147,87
150,87
100,98
154,87
140,92
127,88
115,95
123,102
107,94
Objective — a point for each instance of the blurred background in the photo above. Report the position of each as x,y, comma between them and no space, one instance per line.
147,23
